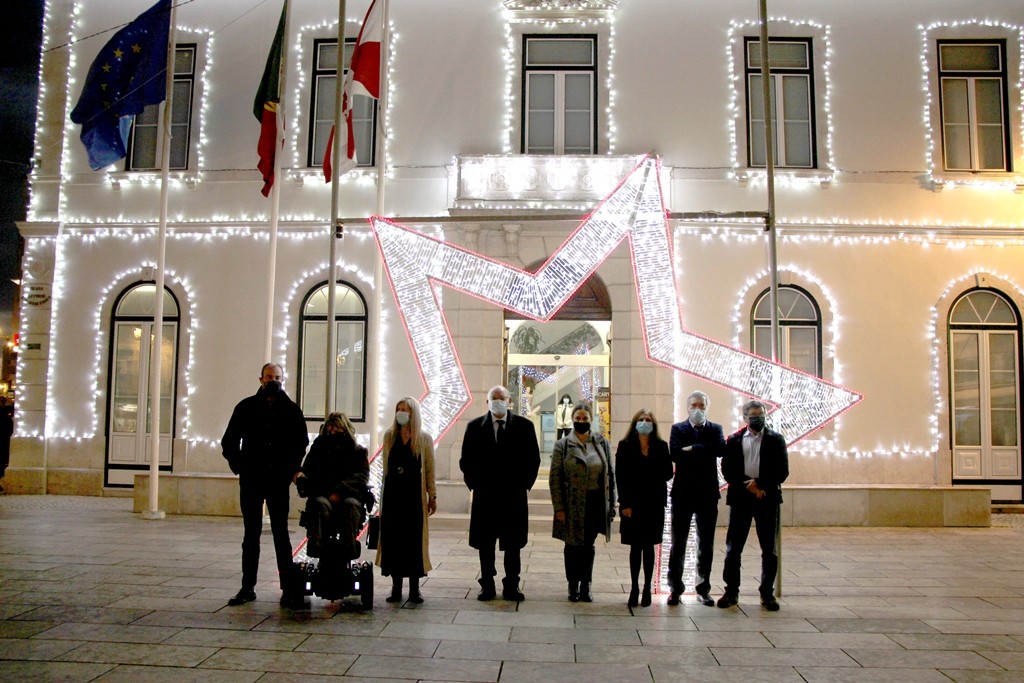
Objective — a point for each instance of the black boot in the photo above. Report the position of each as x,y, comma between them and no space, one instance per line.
586,572
396,590
572,574
414,591
574,591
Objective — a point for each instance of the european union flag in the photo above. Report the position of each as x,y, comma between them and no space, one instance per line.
128,74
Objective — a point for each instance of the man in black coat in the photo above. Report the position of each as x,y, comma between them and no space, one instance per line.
264,443
695,446
755,464
499,463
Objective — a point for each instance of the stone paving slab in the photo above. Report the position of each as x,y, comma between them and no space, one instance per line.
94,593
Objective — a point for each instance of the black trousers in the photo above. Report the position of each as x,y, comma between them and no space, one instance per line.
512,561
706,513
253,491
579,559
765,518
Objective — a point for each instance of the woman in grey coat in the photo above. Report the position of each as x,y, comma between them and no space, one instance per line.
582,485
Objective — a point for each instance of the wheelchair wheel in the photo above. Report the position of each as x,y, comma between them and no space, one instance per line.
366,585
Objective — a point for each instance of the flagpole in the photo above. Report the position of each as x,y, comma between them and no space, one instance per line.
156,359
275,192
769,226
373,388
334,229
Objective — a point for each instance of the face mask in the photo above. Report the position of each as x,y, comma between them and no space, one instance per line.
756,423
498,407
644,428
581,427
402,417
565,401
272,388
698,416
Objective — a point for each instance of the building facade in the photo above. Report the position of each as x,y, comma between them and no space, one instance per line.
899,140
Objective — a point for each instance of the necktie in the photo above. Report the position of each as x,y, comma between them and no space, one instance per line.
501,429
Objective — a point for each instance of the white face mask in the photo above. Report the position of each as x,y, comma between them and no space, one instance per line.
566,401
698,416
498,406
402,417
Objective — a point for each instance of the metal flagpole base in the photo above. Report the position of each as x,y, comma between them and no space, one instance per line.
154,514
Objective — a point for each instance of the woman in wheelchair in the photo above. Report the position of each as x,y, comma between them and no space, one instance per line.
334,479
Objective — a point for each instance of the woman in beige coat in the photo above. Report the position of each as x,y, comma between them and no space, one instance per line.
408,497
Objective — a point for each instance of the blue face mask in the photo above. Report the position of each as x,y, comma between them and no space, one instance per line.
644,428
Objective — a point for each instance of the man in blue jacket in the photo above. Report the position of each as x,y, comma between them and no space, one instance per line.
264,443
755,464
695,445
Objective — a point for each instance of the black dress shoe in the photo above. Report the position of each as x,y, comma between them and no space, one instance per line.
727,600
770,603
513,594
705,599
241,597
645,598
415,598
634,597
486,593
673,598
585,595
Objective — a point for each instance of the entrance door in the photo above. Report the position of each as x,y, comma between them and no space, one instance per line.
984,348
546,361
129,425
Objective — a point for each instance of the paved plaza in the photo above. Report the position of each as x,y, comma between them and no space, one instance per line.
91,592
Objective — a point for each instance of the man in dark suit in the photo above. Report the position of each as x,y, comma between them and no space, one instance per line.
695,446
500,460
755,464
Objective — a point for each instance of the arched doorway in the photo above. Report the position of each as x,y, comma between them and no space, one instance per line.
128,423
568,355
984,355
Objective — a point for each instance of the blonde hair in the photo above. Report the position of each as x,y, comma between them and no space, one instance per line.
340,420
419,437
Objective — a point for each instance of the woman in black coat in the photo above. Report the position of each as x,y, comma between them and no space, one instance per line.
642,468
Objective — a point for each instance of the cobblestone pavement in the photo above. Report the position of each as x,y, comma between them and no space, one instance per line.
91,592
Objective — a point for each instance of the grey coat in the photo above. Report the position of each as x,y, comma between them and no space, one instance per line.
568,482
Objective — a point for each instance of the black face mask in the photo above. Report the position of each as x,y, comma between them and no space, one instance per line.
581,427
272,388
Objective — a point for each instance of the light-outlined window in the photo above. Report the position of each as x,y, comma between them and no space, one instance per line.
129,394
559,94
321,110
973,105
349,372
146,141
799,329
791,65
984,352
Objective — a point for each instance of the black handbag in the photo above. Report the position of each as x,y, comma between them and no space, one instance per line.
373,532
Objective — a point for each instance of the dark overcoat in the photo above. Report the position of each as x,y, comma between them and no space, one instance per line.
774,468
642,482
500,474
265,439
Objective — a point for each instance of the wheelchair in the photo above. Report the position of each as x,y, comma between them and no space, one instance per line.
338,573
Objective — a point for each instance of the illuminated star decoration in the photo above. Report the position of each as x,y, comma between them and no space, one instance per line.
415,262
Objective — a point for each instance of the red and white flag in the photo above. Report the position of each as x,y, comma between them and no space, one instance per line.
363,78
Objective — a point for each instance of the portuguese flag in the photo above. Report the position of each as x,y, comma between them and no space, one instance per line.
264,107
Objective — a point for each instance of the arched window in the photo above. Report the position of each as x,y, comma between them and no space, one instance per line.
128,423
799,329
349,372
984,348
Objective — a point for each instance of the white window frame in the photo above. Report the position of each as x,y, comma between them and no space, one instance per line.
786,325
359,124
972,79
778,76
313,407
181,133
560,111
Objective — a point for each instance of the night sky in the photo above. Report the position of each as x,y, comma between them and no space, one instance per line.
19,74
